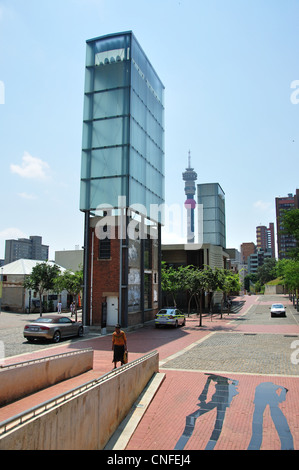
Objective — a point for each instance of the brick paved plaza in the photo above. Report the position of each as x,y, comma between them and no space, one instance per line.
229,385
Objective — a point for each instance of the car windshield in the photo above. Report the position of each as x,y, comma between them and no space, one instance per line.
277,306
166,311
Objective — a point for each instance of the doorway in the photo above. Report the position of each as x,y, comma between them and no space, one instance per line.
112,310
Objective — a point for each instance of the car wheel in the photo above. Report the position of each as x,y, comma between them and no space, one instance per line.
56,337
184,323
80,331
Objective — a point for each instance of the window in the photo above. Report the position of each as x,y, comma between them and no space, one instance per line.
147,290
105,249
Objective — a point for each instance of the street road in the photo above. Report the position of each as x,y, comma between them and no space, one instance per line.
12,341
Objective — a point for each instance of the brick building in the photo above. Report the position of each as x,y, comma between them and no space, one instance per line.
123,277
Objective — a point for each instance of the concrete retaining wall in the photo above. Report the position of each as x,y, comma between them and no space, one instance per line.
19,380
88,419
271,290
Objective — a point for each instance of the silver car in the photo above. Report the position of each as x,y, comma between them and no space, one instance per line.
52,327
278,310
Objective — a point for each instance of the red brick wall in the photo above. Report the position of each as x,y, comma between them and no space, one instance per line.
105,275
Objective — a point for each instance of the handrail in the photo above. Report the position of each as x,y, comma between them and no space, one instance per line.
21,418
42,359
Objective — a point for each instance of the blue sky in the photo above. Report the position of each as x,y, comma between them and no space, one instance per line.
227,67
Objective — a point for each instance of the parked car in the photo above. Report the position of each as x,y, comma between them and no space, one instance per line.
278,310
52,327
169,316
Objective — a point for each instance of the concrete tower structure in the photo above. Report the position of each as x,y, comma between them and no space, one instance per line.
190,176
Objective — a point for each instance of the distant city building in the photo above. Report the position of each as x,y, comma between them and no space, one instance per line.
25,248
247,249
16,298
212,197
190,176
257,259
234,260
265,239
285,242
71,260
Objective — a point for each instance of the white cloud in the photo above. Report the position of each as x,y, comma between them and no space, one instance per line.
32,167
262,205
27,196
12,233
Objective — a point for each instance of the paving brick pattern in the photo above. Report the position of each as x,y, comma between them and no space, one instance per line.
253,349
247,347
245,353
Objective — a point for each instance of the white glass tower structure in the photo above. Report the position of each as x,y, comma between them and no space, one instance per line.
123,158
123,131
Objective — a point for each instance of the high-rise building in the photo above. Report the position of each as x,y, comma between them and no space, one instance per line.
285,242
190,176
122,182
265,239
212,198
257,259
247,249
25,248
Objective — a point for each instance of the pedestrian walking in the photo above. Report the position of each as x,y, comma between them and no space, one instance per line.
59,306
119,345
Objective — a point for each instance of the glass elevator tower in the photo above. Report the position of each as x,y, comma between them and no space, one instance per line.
123,134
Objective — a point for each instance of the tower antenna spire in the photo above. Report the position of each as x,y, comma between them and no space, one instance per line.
190,176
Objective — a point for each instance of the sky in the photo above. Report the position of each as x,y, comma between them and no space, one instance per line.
231,74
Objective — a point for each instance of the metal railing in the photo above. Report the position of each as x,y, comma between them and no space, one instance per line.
15,421
43,359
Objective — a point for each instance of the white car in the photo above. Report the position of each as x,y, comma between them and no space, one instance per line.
278,310
169,316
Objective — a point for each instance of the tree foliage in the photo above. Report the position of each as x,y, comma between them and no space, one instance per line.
196,282
268,271
288,269
71,282
42,279
290,223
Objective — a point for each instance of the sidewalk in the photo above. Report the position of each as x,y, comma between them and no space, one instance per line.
215,408
164,421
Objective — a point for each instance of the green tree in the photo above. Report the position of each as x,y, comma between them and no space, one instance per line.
288,269
193,283
211,282
231,284
290,223
42,279
268,271
172,280
71,282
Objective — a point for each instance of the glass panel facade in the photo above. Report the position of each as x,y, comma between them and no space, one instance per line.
123,129
212,197
134,275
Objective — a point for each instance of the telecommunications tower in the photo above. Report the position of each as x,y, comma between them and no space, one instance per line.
190,176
